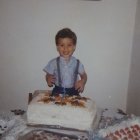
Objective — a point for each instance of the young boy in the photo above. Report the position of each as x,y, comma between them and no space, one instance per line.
66,72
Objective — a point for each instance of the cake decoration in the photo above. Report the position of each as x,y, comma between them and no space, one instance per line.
59,100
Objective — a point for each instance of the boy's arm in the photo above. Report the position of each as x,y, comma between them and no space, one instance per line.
83,78
81,83
50,79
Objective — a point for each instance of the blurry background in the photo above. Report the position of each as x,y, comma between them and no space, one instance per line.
108,34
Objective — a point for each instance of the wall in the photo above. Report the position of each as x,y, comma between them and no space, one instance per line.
105,33
133,103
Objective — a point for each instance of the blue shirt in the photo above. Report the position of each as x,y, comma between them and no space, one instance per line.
67,70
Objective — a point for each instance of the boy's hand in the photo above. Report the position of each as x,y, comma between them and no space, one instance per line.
79,85
50,80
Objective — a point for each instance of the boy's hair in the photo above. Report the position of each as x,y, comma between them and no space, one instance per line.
66,33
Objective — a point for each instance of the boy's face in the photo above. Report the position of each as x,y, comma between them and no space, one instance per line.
66,47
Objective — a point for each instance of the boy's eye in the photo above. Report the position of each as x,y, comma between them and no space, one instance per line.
68,46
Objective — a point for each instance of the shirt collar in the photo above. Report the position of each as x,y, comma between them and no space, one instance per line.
63,61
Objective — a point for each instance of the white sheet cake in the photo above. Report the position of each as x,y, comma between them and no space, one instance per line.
71,112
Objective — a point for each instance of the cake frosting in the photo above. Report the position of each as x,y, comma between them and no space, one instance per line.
70,112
